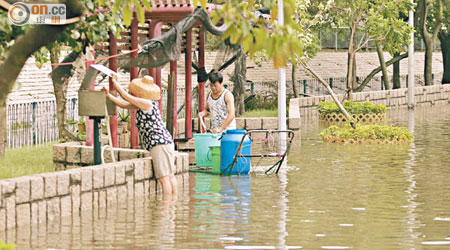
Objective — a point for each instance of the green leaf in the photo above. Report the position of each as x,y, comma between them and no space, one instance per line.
140,12
147,4
127,15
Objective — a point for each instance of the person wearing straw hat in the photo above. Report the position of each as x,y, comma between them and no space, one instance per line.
155,138
220,103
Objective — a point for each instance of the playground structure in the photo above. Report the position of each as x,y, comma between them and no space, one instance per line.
167,14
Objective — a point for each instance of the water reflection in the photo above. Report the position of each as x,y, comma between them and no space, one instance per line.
331,197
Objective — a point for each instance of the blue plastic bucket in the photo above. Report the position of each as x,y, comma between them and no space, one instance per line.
228,147
202,143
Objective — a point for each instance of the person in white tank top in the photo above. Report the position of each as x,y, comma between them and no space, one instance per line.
220,103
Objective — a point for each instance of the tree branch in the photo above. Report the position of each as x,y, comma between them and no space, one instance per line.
378,69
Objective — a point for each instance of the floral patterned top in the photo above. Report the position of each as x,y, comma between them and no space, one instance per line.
152,130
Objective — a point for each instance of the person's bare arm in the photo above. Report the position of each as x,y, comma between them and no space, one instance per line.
138,102
205,111
119,102
229,99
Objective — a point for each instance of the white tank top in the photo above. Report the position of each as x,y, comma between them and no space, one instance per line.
219,112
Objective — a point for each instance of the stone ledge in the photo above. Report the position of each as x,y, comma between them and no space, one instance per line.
45,197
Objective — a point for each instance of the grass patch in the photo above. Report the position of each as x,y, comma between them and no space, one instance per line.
26,161
260,113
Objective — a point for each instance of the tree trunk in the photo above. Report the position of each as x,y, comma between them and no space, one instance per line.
240,71
429,38
351,74
383,67
294,81
396,73
428,69
444,38
26,45
23,48
2,128
378,69
61,76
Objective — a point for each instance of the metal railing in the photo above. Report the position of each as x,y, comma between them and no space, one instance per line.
34,122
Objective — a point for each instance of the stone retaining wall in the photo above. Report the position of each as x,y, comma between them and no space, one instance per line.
426,95
45,197
75,154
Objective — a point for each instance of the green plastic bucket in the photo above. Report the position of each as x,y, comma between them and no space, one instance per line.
202,143
215,159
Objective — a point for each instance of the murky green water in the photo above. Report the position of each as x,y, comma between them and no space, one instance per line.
333,197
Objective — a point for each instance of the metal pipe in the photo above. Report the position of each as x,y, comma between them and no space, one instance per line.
281,89
411,101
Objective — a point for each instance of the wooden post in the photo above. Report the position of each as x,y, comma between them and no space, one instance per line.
113,66
134,74
154,30
173,73
157,32
90,122
201,85
169,115
188,85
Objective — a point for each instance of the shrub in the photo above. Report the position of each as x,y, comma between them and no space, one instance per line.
368,132
352,107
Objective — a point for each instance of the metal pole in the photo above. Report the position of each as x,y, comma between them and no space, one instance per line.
97,149
411,100
281,91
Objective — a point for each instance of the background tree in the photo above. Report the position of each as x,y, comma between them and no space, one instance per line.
430,19
98,22
21,43
444,38
19,49
376,20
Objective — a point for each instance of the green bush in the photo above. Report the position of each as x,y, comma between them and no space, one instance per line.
367,132
4,246
352,107
259,102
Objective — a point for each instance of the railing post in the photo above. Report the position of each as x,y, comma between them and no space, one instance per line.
304,86
34,122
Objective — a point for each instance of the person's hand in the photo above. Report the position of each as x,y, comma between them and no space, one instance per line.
216,131
106,92
114,80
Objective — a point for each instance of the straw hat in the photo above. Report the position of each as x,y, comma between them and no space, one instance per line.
145,88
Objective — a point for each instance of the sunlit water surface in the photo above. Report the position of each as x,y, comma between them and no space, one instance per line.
331,197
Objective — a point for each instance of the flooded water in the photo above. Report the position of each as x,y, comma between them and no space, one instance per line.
331,197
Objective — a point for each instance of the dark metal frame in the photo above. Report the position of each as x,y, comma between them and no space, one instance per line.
282,156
